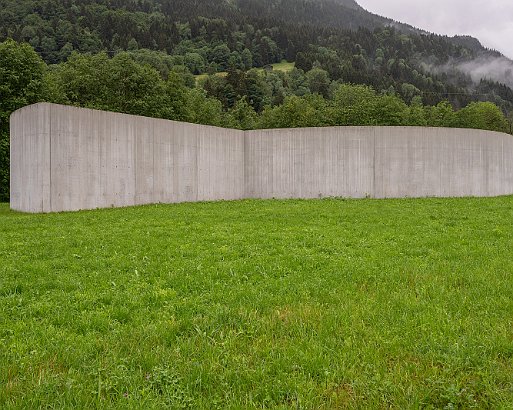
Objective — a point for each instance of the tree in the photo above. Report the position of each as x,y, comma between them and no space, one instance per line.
242,116
275,80
162,62
354,105
195,63
409,92
441,115
298,83
415,114
204,110
216,87
132,45
268,51
390,110
258,91
319,81
21,83
65,51
82,80
117,84
133,88
294,112
175,104
221,55
247,59
482,115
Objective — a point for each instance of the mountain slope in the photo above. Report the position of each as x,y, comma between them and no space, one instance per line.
25,19
352,44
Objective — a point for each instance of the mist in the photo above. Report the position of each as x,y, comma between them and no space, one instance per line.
498,69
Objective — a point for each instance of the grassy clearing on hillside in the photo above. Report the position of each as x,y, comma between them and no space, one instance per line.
253,304
202,77
284,66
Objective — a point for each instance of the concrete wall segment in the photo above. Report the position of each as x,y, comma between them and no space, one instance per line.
30,158
67,158
310,162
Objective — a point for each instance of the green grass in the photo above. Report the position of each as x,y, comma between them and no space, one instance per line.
203,77
259,304
284,66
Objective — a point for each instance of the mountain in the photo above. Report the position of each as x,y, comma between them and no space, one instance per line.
352,4
339,36
49,19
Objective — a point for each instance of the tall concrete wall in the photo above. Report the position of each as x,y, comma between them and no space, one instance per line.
378,162
66,158
310,162
30,180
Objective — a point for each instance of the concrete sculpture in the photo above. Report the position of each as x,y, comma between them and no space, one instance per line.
67,158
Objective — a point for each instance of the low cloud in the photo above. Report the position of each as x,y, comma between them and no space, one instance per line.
499,69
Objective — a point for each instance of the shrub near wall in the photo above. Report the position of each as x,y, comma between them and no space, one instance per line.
21,82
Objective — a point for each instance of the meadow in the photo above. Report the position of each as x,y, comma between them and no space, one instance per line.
284,67
294,304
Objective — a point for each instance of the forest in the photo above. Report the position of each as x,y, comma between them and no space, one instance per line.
211,62
147,83
208,36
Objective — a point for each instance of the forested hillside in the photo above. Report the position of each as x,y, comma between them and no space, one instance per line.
211,62
207,36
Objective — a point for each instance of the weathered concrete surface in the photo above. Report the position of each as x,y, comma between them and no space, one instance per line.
438,162
30,181
310,162
66,158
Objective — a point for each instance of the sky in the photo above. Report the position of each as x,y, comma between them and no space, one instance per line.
491,21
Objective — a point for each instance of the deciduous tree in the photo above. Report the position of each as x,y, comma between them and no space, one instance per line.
21,83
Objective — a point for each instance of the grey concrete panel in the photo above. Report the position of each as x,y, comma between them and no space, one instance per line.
67,158
310,162
175,176
220,164
422,162
30,159
75,160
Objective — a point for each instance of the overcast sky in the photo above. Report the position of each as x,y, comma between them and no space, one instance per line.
491,21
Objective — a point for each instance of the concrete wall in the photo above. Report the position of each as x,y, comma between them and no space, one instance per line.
30,180
378,162
310,162
67,158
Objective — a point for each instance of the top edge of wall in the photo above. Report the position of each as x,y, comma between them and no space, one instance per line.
121,114
40,104
265,130
391,127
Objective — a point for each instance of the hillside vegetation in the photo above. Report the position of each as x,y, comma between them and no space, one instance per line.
207,36
259,304
148,83
207,62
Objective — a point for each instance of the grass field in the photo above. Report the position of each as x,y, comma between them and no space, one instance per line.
203,77
259,304
284,66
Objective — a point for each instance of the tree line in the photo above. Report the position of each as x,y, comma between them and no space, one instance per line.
352,45
154,84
